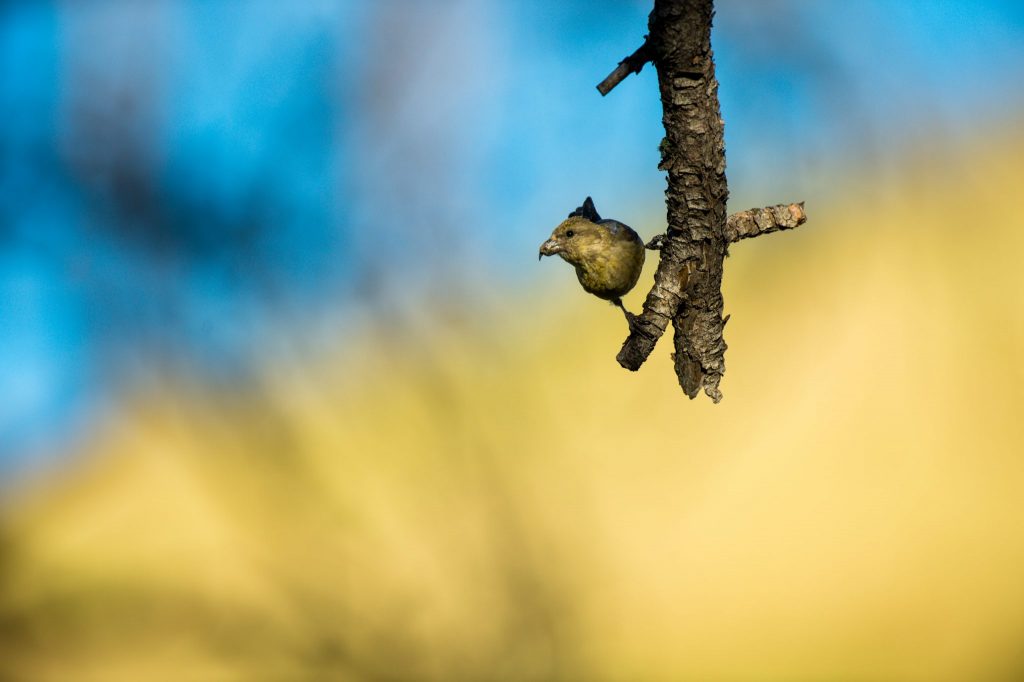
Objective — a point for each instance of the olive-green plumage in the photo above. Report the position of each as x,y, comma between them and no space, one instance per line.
608,256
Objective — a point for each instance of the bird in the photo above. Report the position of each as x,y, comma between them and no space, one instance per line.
608,255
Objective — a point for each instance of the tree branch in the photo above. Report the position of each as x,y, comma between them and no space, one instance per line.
757,221
631,64
753,223
688,283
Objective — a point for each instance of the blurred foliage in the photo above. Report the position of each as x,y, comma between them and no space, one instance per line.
482,494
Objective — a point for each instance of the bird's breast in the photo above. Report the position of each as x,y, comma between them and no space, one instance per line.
613,271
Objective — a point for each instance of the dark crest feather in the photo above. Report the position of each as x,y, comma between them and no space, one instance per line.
587,211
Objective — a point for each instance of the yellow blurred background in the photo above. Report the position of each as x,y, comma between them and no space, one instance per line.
483,494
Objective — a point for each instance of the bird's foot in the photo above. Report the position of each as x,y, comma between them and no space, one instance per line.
631,319
656,243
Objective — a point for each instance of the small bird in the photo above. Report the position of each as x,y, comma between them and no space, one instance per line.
608,256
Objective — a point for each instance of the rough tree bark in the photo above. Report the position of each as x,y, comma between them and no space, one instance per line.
688,283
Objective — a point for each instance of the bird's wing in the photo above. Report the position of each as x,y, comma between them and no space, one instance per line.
621,230
587,211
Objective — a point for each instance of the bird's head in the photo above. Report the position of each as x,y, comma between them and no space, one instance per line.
574,239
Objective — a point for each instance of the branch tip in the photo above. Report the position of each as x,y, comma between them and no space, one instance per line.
631,64
757,221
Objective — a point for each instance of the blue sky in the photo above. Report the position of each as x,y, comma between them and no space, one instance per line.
183,183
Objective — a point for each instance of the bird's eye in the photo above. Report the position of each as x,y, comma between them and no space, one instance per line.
569,234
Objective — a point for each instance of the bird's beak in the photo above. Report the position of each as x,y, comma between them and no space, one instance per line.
549,248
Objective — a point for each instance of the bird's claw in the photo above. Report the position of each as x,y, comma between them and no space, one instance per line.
656,243
631,320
